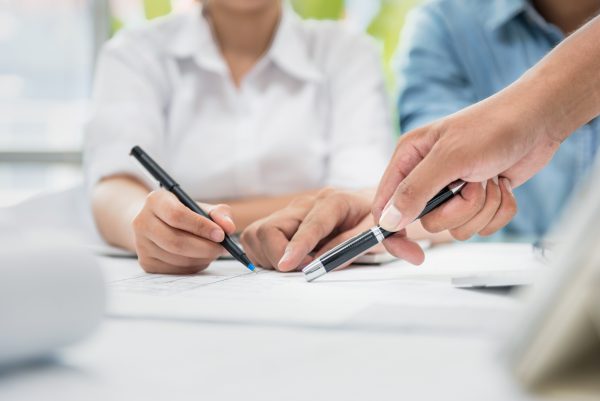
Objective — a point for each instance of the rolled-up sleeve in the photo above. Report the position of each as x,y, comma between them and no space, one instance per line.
127,110
432,82
361,124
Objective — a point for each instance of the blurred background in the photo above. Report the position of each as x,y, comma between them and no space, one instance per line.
47,57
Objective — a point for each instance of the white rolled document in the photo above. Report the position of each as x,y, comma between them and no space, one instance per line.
51,294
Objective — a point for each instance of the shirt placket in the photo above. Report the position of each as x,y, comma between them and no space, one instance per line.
247,170
587,147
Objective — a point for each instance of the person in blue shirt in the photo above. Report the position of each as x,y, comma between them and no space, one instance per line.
455,53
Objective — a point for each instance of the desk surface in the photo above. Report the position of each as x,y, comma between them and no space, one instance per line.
135,360
191,360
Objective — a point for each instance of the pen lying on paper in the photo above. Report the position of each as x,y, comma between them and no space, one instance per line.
170,185
361,243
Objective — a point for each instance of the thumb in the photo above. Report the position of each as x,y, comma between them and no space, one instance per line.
416,189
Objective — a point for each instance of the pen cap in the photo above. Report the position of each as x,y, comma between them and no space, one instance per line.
314,270
153,168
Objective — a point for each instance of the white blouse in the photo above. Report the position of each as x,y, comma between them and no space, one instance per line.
313,112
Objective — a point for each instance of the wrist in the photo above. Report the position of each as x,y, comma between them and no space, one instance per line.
544,91
530,108
567,84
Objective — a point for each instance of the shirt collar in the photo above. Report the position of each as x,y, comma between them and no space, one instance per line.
500,12
288,51
194,40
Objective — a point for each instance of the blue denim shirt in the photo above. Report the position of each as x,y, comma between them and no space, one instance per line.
457,52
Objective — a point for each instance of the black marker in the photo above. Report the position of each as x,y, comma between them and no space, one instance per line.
170,185
361,243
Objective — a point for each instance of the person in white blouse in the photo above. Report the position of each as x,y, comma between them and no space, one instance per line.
246,106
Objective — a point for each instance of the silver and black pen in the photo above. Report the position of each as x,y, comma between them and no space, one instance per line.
361,243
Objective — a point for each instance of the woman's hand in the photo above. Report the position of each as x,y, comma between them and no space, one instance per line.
310,226
172,239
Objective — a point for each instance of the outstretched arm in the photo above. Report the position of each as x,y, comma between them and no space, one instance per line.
519,130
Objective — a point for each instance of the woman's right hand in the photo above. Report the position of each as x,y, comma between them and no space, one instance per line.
172,239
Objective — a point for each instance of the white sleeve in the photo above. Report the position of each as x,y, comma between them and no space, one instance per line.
128,109
361,125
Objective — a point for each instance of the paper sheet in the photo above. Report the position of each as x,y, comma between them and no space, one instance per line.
394,296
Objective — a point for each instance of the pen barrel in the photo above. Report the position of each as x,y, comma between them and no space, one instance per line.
235,251
153,168
349,250
437,200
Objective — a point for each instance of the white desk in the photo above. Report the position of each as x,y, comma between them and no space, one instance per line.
136,360
131,359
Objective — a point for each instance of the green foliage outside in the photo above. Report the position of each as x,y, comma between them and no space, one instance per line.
156,8
319,9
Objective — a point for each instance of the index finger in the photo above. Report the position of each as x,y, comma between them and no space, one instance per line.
318,224
275,239
175,214
410,150
418,187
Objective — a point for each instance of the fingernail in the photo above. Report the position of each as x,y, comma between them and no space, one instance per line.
217,235
286,256
507,185
391,218
225,217
495,179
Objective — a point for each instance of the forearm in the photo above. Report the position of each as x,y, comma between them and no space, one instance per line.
566,83
247,211
115,202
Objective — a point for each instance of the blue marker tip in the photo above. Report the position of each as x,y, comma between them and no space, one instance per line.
251,267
